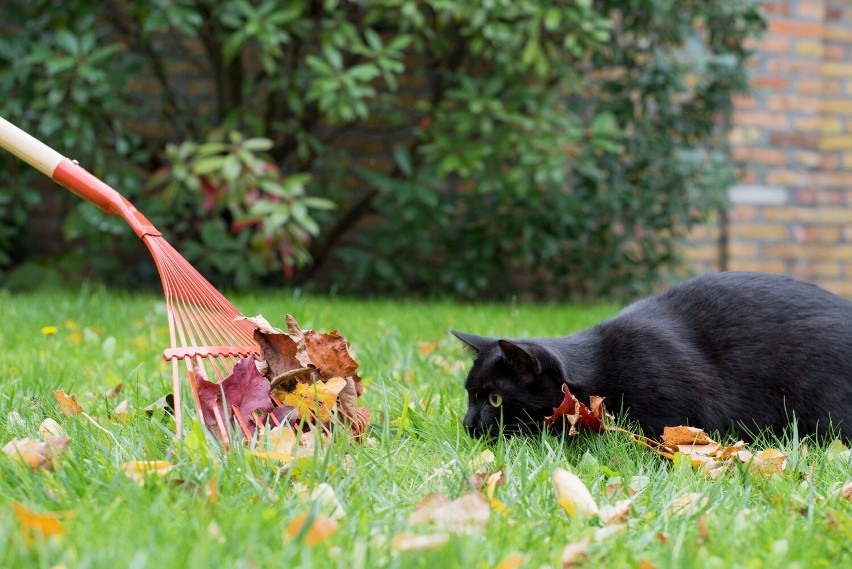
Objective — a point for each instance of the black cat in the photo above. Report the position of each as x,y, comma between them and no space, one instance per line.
731,352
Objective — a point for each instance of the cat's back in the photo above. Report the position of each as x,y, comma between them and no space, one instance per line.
741,298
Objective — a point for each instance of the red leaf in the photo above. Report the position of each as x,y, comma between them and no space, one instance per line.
245,387
576,412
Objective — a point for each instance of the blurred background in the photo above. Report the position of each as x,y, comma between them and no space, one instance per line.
538,149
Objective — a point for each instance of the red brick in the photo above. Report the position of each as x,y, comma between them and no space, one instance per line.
833,13
779,177
809,86
762,119
834,51
795,28
768,156
770,82
810,270
794,139
810,196
777,267
811,10
774,44
776,8
840,33
758,231
797,66
807,124
815,234
797,103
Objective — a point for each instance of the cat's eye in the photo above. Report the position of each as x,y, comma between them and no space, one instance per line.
495,399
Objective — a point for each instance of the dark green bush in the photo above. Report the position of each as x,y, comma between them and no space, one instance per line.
472,147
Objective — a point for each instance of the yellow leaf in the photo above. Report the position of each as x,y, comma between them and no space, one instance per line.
67,403
573,495
315,398
139,470
32,524
320,528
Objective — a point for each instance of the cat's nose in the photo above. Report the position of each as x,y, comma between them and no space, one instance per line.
470,422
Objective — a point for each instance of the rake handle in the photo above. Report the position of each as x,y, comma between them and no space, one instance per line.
72,177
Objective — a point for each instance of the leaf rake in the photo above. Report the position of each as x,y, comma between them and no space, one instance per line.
207,333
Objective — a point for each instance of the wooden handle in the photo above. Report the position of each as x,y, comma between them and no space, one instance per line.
29,149
71,176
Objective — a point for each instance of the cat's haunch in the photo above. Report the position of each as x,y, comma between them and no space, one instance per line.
732,352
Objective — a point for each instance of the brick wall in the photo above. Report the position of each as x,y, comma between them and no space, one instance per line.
792,210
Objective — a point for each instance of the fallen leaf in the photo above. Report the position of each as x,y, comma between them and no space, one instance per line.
572,495
681,435
768,462
114,392
316,399
468,514
688,503
326,499
574,553
577,413
315,528
427,348
37,525
50,428
511,561
35,453
140,470
245,387
329,352
411,542
67,403
279,351
480,479
618,513
845,492
122,411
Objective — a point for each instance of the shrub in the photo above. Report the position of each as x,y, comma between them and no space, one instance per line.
471,147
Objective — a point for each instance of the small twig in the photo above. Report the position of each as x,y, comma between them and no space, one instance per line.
95,423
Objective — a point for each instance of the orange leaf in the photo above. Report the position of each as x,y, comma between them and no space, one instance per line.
67,403
321,527
32,524
511,561
685,436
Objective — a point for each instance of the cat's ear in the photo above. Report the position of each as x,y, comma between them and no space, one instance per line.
473,344
522,360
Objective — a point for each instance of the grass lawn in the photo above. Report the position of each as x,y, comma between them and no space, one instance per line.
218,509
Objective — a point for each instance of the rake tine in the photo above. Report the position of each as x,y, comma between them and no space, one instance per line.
243,425
220,423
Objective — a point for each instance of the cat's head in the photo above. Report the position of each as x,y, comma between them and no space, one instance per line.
513,384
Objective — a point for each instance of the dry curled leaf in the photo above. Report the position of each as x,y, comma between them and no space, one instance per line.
50,428
315,399
681,435
576,413
245,388
468,514
618,513
67,403
688,503
572,495
35,453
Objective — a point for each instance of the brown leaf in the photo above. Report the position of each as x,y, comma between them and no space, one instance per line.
67,403
480,479
329,352
35,453
315,529
845,492
37,525
682,435
280,352
574,553
468,514
347,401
114,392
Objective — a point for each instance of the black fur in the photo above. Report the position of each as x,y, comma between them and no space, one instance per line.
731,352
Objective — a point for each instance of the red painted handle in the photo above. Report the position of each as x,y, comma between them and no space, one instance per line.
77,179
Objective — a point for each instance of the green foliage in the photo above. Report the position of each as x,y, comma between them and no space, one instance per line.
269,222
471,147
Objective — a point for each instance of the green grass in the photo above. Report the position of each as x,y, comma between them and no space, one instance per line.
105,338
